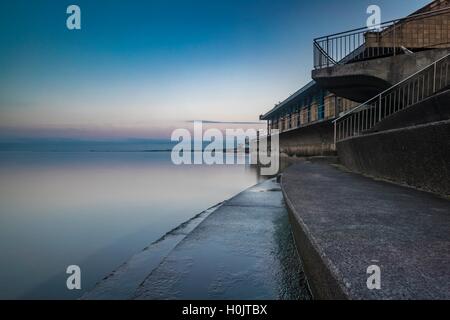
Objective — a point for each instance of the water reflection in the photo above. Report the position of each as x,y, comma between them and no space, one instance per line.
94,210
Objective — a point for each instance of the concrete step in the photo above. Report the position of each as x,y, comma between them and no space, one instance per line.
243,250
344,222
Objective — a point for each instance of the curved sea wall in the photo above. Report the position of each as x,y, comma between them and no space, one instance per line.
240,249
418,156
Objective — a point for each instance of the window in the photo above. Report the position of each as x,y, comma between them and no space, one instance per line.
320,112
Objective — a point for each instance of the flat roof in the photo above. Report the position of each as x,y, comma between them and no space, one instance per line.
297,94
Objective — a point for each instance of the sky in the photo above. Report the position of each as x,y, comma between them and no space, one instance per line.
139,69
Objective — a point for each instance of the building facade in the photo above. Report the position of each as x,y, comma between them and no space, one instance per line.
304,120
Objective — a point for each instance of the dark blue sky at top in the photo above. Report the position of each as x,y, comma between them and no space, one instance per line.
158,59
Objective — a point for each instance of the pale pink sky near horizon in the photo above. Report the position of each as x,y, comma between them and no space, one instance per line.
139,69
113,133
141,107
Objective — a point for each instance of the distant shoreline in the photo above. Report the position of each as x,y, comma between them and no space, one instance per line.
117,151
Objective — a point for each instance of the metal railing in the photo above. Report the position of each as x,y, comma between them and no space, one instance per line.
390,38
414,89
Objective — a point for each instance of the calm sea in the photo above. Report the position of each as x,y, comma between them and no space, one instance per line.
94,206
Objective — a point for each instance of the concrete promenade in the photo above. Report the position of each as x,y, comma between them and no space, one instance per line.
243,249
344,222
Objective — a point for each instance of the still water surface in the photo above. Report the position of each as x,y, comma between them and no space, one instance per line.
95,210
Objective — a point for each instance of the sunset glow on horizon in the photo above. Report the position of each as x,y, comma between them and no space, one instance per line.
140,69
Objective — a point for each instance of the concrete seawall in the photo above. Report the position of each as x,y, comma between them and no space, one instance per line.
316,139
418,156
344,222
241,249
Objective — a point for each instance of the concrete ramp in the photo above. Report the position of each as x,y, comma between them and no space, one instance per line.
241,249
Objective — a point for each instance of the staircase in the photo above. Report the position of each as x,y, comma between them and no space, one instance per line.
421,85
423,31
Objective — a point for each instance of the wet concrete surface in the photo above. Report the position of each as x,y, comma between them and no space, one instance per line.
243,249
123,282
344,222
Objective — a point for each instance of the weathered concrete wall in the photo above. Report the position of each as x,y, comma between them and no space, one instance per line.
418,155
312,140
360,81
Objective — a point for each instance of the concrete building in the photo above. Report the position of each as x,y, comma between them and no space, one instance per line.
380,98
360,63
304,120
400,74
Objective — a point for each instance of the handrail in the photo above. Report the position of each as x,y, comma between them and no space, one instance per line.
412,90
386,40
411,17
390,88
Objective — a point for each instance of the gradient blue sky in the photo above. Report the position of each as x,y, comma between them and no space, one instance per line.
141,68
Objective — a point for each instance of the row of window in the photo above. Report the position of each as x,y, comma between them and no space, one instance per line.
296,119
